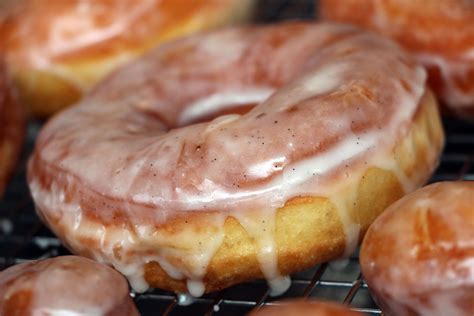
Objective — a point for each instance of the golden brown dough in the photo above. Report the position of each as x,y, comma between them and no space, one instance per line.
58,51
418,256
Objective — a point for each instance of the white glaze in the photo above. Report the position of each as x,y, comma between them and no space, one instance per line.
184,299
221,101
195,287
260,224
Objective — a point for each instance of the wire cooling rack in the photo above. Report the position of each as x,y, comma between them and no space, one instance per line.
23,237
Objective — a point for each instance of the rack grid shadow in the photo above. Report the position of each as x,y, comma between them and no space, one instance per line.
23,237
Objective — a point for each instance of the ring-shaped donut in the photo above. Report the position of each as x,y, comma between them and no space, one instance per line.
343,126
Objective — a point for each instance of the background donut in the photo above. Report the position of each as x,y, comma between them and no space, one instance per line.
418,256
439,33
66,285
56,52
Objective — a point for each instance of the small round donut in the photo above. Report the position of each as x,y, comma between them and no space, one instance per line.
335,124
12,128
58,51
418,256
66,285
439,33
307,308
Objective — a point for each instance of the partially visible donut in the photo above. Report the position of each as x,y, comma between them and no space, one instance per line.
344,125
66,285
12,128
418,256
439,33
57,51
306,308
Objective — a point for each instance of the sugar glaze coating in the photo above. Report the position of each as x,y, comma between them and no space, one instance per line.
418,256
58,52
66,285
331,101
440,34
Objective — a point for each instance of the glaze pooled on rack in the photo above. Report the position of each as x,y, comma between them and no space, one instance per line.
125,178
64,286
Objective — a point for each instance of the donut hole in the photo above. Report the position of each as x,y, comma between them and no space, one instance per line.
206,108
203,117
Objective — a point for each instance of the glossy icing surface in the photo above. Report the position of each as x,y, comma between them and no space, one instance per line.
67,285
59,51
330,99
418,256
41,35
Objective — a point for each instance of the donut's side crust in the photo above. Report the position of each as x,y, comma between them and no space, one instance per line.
48,89
307,229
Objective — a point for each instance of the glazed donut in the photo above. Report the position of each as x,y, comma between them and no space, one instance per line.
418,256
12,127
439,33
307,308
58,51
66,285
343,125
